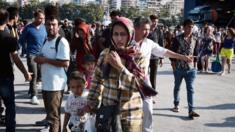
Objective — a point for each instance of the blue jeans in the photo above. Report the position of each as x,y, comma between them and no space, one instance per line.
8,96
189,77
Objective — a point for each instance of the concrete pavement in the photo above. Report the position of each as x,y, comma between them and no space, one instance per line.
214,101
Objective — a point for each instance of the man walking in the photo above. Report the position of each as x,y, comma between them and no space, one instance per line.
185,44
34,35
148,47
8,50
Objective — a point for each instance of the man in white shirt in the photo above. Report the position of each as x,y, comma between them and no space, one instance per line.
148,47
53,60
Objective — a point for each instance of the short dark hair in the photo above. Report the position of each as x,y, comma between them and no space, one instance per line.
51,18
152,17
141,20
4,16
115,13
13,12
37,12
88,58
188,22
76,75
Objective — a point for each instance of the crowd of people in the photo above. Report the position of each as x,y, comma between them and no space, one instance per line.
111,70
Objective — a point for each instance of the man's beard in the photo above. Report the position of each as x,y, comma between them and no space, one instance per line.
51,35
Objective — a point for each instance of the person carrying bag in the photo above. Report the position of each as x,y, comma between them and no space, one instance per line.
216,65
114,95
108,118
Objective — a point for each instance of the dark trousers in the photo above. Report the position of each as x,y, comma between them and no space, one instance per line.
8,96
153,71
52,103
23,49
33,67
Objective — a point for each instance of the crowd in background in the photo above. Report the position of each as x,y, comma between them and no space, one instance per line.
82,51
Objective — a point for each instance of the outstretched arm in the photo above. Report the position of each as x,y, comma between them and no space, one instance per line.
20,65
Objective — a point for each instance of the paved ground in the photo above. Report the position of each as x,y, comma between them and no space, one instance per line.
214,101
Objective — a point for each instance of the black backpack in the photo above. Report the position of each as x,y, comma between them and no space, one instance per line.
56,42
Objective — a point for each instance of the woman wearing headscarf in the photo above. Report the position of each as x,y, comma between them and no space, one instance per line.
81,42
115,81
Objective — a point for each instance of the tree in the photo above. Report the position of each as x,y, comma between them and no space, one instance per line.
164,13
92,12
69,11
130,12
4,4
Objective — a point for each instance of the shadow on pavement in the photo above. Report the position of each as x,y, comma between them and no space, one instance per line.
165,72
30,110
219,107
185,118
162,109
23,94
207,73
23,130
229,122
21,84
27,130
33,110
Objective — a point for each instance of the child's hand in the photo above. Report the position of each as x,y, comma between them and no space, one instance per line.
85,109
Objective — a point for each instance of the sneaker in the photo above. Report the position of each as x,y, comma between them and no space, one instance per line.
35,100
175,109
46,129
193,114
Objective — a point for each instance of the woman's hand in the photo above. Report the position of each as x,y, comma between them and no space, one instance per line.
114,60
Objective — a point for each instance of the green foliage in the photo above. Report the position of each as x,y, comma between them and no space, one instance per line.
27,11
131,12
90,12
4,4
69,11
164,13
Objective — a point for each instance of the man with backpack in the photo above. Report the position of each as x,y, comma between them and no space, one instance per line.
54,58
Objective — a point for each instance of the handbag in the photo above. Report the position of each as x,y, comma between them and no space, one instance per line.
215,65
108,118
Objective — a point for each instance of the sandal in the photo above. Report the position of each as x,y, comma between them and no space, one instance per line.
193,114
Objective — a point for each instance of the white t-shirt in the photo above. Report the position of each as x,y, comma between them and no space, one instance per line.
218,37
54,78
149,47
74,104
